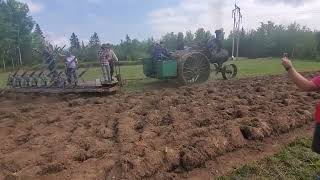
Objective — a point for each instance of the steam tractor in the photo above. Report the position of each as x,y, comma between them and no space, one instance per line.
193,64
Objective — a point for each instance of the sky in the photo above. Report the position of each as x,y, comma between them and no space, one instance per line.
141,19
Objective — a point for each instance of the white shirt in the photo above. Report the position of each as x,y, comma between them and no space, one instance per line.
71,62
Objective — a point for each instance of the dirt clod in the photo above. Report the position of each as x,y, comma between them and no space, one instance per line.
51,169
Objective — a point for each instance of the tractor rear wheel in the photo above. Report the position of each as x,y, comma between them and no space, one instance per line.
194,68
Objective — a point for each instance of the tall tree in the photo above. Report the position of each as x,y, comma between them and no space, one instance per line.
201,37
15,30
189,38
317,37
170,41
74,42
94,41
38,43
128,39
38,31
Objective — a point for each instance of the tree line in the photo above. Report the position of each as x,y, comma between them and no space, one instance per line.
20,34
271,40
133,49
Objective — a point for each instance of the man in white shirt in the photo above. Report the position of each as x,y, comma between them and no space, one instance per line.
71,67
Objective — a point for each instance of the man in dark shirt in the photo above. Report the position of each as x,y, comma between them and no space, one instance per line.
160,53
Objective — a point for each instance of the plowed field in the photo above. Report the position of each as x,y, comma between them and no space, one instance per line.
158,134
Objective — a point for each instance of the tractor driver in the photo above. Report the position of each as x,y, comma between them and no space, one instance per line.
215,44
160,53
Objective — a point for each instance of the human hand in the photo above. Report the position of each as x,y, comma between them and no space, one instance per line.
287,64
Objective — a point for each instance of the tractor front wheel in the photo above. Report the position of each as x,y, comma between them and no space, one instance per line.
229,71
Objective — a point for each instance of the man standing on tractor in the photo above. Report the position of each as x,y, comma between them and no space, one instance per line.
71,67
107,59
112,58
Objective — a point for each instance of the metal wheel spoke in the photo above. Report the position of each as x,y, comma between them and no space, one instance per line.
193,61
189,72
189,75
204,68
185,68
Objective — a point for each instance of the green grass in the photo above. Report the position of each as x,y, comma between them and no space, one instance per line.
259,67
247,68
297,161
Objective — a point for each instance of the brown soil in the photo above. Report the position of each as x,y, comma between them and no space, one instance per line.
195,132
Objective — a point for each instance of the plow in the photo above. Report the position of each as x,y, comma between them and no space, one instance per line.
49,79
38,82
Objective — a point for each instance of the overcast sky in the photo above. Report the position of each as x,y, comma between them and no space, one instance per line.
113,19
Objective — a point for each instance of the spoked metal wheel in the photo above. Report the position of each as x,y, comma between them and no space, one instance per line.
194,68
34,82
43,82
229,71
10,81
215,70
24,83
16,82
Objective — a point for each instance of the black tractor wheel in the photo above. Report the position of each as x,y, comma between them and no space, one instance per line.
194,68
229,71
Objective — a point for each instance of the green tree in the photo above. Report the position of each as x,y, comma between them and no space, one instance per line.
15,32
170,40
202,37
317,38
189,38
273,40
94,41
38,31
38,43
74,42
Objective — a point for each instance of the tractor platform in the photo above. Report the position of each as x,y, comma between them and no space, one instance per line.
88,88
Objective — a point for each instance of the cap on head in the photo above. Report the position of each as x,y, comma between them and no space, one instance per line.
106,46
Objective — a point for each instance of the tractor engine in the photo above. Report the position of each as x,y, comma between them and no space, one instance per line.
194,62
212,49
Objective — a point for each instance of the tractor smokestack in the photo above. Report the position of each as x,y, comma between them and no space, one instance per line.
219,34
